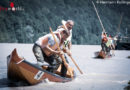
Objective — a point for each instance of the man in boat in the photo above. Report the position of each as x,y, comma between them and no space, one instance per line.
66,25
45,50
104,41
112,45
107,44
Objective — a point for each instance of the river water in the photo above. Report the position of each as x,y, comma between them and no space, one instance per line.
98,74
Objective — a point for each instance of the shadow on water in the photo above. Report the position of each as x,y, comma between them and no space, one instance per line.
128,57
97,58
128,86
5,82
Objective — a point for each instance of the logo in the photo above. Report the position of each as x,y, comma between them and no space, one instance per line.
12,7
38,75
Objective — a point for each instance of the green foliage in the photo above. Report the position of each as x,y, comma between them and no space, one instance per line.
28,25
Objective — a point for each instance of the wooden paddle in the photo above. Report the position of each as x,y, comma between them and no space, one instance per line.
118,29
98,17
62,56
74,63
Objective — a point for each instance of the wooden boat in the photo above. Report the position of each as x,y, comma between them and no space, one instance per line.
20,69
101,54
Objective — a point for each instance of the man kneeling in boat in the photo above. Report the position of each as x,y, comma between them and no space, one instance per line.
45,49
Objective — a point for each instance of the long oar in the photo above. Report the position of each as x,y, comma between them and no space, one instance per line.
98,17
76,65
62,56
118,29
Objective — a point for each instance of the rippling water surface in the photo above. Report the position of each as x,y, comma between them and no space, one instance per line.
98,74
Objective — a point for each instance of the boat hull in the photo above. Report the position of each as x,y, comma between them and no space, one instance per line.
101,55
20,69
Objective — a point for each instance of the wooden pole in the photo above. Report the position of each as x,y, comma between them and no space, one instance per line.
118,29
76,65
98,17
62,56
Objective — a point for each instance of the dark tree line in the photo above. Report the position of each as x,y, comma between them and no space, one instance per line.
38,15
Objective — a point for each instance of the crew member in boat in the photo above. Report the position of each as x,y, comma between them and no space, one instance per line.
45,49
66,25
104,41
112,45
